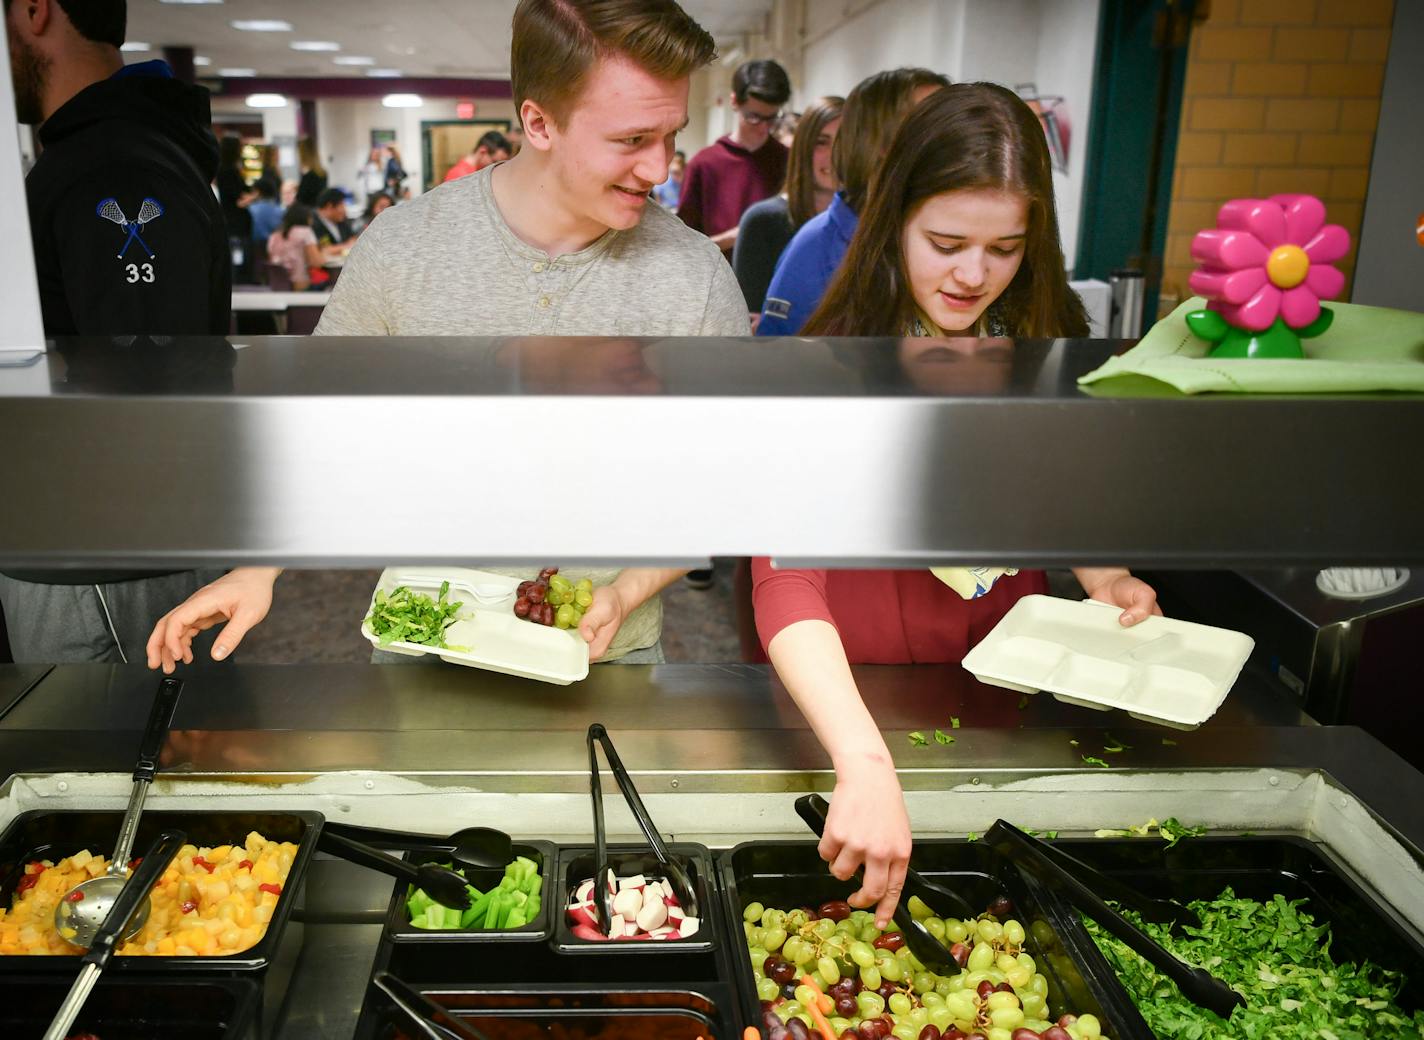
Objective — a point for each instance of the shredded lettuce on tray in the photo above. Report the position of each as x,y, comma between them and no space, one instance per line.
1278,958
403,616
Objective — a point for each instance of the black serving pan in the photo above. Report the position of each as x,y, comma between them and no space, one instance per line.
1260,867
571,1013
545,854
792,874
130,1008
39,834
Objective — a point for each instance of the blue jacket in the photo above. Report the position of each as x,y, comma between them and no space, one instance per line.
806,269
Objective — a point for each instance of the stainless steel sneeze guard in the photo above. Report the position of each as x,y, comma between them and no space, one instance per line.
355,451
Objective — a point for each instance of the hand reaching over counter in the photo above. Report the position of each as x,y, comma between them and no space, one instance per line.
239,600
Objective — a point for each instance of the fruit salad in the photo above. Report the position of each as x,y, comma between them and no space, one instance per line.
209,902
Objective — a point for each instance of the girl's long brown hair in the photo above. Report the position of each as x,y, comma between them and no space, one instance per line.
800,177
967,136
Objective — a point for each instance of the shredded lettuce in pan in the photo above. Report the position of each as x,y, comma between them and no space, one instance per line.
1278,958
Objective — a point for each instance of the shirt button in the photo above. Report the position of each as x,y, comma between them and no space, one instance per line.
544,301
538,268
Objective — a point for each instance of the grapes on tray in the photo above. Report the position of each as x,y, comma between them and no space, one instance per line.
551,599
831,962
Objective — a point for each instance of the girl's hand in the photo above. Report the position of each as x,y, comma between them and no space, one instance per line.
868,826
1119,588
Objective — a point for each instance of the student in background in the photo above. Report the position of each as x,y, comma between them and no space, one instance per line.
128,241
959,240
746,165
266,212
235,196
492,147
292,247
332,226
872,113
670,191
767,227
377,204
313,181
395,173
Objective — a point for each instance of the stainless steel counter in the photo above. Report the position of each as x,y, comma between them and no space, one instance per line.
718,752
306,451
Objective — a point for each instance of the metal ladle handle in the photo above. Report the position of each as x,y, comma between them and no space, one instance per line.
160,719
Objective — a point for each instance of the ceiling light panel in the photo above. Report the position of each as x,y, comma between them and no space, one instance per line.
315,45
261,25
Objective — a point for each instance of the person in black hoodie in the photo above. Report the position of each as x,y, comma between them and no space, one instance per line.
128,241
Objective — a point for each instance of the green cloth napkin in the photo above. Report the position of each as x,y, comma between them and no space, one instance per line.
1365,348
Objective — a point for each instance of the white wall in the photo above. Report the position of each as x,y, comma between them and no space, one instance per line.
1051,43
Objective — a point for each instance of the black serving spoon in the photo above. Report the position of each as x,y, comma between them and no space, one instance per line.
432,1019
1081,884
441,883
676,877
482,847
932,953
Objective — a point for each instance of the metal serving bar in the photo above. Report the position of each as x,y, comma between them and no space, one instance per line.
347,451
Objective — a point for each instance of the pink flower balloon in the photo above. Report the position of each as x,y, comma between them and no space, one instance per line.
1269,258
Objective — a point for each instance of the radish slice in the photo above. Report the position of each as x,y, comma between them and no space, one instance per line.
582,914
636,881
591,934
653,915
688,926
585,891
628,903
667,890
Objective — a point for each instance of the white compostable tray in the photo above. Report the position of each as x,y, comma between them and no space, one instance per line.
1160,670
495,639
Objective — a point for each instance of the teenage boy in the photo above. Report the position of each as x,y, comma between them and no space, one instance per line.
747,165
561,240
492,147
128,240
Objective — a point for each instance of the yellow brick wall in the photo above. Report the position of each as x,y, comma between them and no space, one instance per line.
1280,96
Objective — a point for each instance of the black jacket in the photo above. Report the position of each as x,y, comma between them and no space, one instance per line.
128,237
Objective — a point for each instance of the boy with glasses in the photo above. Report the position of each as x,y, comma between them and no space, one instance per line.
745,166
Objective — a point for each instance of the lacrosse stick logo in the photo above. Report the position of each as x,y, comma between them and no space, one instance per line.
149,209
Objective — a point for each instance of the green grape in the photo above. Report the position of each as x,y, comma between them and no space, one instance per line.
1026,961
870,933
839,1025
862,953
944,986
956,931
1014,933
772,938
918,910
890,969
941,1018
899,1004
758,956
583,599
871,1004
1042,933
932,999
767,989
824,928
1038,984
1006,1018
990,930
755,934
870,978
861,918
1089,1028
564,617
805,1017
747,927
786,1010
829,972
961,1006
923,982
1005,962
919,1017
995,1033
795,919
1018,977
954,983
773,918
584,584
937,928
905,1032
980,957
1034,1006
805,995
1001,1000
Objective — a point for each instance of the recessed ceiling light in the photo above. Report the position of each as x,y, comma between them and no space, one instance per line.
402,101
261,25
353,59
236,73
190,1
266,101
315,45
134,45
384,73
201,62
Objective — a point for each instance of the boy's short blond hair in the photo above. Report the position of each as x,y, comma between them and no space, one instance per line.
556,42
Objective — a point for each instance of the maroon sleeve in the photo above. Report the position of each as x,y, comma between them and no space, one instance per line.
689,206
783,597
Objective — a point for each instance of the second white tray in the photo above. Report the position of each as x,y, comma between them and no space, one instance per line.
1161,670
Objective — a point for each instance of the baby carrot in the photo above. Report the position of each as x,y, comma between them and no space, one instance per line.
818,1016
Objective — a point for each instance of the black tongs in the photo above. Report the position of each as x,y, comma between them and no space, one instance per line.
932,953
1085,887
434,1022
676,877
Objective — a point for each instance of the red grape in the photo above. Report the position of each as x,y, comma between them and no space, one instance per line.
984,989
778,970
1024,1033
536,593
846,1007
1003,987
960,953
836,910
547,573
1001,907
886,988
952,1033
521,607
1065,1021
850,1034
1056,1032
797,1029
891,941
930,1032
